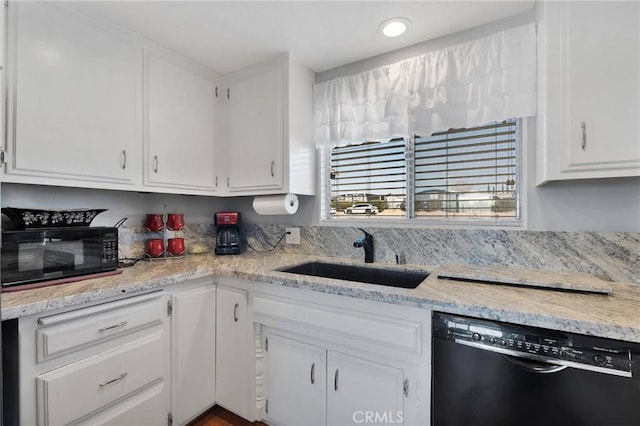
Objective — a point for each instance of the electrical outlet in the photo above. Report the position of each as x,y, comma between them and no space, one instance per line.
293,237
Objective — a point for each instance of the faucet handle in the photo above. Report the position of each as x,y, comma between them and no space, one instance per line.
359,242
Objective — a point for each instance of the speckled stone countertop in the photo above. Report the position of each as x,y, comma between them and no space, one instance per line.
615,316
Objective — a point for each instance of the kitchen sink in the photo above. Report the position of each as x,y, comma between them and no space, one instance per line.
388,277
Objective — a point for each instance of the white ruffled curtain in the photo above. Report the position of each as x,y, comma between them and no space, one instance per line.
485,80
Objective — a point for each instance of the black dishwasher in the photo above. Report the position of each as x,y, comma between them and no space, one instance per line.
493,373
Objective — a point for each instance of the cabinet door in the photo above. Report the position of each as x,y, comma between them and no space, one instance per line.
193,352
588,85
76,98
256,131
361,391
296,382
235,354
603,77
179,124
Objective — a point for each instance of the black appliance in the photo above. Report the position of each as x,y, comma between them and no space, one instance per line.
494,373
43,254
227,232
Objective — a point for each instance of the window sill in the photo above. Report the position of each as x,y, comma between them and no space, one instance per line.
515,225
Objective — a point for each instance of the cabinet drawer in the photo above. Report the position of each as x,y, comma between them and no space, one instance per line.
146,408
81,389
75,330
375,329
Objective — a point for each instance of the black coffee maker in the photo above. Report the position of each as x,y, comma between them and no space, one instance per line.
227,232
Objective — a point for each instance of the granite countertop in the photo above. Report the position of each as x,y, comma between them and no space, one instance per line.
614,316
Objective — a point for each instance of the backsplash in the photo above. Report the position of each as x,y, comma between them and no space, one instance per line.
131,238
612,256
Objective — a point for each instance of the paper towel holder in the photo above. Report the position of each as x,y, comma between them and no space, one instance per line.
279,204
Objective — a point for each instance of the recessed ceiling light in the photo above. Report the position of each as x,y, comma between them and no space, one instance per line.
394,27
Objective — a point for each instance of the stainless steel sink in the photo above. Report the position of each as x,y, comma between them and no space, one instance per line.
388,277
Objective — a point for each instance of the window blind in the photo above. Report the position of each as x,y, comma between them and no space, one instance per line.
368,174
458,174
468,173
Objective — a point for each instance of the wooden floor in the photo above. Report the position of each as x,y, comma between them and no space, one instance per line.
218,416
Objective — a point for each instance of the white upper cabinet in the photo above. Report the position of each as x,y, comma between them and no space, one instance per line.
588,85
96,106
180,107
75,97
270,150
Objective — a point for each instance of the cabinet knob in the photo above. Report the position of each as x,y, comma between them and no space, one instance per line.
235,313
583,145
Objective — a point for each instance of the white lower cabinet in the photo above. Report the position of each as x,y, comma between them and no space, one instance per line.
310,385
265,352
360,390
297,383
144,408
103,364
100,381
234,372
333,360
193,351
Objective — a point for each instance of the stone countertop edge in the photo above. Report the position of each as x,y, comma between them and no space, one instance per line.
616,316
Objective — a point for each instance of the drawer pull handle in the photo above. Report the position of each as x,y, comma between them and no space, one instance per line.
124,159
335,380
111,327
273,164
313,373
117,379
155,164
235,313
583,145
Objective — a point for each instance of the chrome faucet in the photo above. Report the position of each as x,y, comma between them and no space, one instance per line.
367,243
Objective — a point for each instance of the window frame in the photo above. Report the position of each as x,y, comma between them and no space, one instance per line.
522,133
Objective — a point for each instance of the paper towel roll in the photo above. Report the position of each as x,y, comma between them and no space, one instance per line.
276,204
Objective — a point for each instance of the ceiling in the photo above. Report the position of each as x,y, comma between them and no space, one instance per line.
229,35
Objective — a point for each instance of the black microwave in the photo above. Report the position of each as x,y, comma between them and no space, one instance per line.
44,254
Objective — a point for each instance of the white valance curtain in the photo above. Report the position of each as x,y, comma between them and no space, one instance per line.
485,80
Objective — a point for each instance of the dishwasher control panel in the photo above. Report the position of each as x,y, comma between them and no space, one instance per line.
539,344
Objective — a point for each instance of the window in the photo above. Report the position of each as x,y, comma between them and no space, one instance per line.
457,175
371,174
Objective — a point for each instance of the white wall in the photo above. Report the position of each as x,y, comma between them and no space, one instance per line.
134,205
427,46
